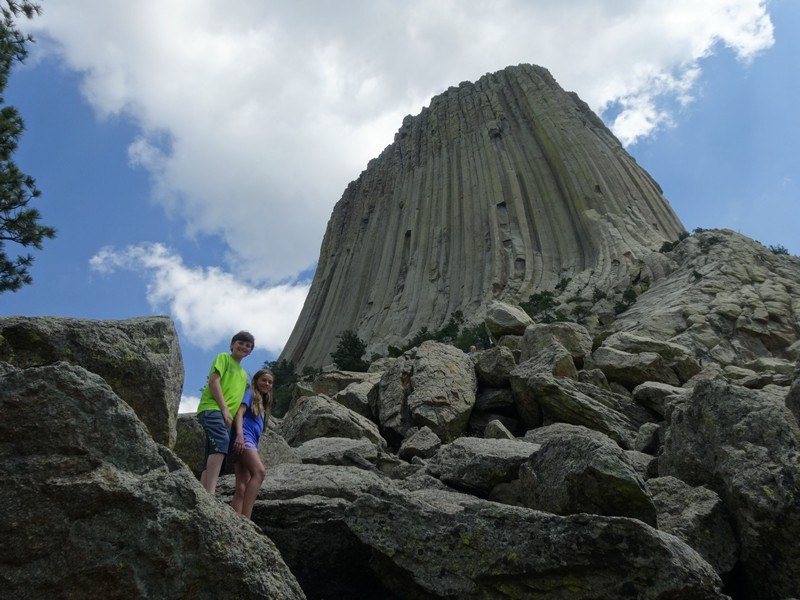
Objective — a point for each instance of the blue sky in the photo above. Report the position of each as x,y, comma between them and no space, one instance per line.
190,154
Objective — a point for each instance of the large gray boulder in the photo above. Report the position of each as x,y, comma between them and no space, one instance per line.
139,358
302,509
437,544
561,400
493,366
360,396
745,445
432,385
572,336
318,416
579,470
679,358
631,369
506,319
476,465
94,508
695,515
338,451
421,443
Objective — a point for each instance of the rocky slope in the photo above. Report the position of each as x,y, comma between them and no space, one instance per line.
499,188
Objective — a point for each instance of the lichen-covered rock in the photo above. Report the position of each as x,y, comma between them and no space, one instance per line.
495,430
139,358
695,515
562,400
493,366
318,416
93,507
632,369
745,445
579,470
338,451
436,544
680,359
423,443
506,319
330,383
572,336
302,509
653,395
433,385
360,396
476,465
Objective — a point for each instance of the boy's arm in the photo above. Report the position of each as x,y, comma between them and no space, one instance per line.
216,391
238,444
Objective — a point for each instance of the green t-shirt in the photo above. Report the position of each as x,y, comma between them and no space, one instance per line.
233,381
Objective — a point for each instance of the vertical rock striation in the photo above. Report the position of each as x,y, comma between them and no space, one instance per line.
496,190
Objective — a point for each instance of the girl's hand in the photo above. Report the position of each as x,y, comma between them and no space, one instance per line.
238,444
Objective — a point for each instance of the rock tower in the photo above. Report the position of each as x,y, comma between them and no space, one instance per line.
498,189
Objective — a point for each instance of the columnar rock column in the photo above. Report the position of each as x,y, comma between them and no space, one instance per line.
499,188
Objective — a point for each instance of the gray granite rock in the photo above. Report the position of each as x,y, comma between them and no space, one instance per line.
318,416
695,515
579,470
139,358
95,508
436,544
433,385
493,366
477,465
423,443
744,445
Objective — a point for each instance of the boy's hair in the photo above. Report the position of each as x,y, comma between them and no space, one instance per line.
244,336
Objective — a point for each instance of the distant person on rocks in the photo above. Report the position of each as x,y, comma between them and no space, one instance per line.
250,421
227,381
472,350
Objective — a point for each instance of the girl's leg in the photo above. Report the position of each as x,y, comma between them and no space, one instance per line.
242,477
251,461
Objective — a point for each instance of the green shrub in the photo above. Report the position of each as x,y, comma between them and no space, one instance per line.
562,285
285,378
349,352
778,250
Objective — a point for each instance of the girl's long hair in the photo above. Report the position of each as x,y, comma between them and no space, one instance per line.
261,403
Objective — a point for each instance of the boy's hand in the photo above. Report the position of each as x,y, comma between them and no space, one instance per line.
226,414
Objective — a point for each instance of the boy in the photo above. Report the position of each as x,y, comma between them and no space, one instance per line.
227,381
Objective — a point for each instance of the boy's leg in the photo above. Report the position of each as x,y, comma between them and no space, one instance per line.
213,467
217,441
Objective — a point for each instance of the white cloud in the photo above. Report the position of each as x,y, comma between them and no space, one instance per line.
189,404
208,303
253,113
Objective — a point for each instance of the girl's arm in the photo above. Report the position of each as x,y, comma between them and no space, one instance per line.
238,444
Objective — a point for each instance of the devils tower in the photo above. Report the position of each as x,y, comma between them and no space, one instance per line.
498,189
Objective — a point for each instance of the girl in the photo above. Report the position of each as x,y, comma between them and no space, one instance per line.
250,420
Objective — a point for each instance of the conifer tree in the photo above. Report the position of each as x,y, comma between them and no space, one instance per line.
19,223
